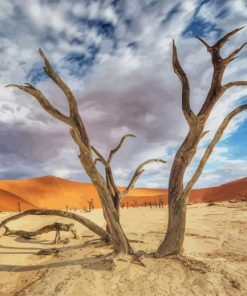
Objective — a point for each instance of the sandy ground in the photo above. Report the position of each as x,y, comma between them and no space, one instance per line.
215,243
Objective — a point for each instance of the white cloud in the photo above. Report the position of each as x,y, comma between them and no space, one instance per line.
127,89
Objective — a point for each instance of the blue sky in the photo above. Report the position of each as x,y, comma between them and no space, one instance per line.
116,56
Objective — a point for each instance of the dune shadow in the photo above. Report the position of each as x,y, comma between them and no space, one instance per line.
98,262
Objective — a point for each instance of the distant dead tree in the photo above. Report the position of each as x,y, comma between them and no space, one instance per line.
90,205
243,197
79,134
19,206
178,194
160,203
116,194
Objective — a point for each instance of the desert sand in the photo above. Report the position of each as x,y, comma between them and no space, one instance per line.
215,243
56,193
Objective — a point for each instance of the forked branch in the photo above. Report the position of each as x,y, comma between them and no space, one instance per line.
211,146
232,56
216,89
225,38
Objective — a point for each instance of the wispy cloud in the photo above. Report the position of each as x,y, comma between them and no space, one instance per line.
116,56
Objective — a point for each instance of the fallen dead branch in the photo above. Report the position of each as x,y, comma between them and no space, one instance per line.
48,228
89,224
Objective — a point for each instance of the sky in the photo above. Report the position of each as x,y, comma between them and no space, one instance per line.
116,57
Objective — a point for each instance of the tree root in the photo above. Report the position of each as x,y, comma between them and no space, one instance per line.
192,264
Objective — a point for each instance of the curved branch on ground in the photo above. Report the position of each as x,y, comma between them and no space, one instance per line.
48,228
84,221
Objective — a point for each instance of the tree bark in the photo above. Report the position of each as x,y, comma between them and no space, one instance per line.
174,238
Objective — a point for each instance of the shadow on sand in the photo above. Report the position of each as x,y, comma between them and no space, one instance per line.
98,262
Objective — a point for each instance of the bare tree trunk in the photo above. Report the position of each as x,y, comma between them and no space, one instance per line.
116,202
174,238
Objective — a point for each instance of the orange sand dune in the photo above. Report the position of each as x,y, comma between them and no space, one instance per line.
9,202
53,192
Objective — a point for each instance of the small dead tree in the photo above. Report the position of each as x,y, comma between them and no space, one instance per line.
178,194
90,205
19,206
243,197
116,194
79,134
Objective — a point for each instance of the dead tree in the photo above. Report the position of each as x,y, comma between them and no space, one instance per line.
243,197
178,194
116,194
90,205
79,134
19,206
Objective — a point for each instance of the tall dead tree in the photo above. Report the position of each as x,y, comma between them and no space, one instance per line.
178,194
80,137
116,194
